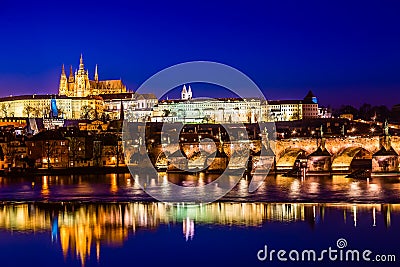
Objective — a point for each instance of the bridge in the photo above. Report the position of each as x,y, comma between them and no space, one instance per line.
344,151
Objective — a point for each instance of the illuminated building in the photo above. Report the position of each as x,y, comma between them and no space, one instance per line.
222,110
49,149
78,84
136,107
79,98
290,110
233,110
39,106
386,159
319,160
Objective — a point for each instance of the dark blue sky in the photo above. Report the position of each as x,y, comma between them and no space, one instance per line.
345,51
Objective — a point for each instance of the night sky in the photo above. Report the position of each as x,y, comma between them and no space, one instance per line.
347,52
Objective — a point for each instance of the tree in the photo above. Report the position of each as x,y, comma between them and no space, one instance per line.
347,110
36,113
119,152
365,112
60,112
75,145
97,151
87,112
49,150
4,108
395,113
382,112
295,116
166,112
28,110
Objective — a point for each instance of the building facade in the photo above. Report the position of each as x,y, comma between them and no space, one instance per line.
233,110
40,106
80,98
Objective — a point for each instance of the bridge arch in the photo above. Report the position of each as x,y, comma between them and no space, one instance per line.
345,159
289,157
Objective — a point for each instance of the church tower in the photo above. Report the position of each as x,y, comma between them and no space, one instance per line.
184,94
82,86
71,78
63,88
189,93
96,75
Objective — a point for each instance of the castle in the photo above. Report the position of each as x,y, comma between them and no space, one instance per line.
78,84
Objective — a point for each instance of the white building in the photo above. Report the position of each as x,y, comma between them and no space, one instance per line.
205,110
136,107
233,110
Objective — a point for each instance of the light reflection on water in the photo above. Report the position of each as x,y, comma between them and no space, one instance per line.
82,229
113,209
122,187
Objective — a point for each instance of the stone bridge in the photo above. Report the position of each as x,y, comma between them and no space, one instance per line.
342,149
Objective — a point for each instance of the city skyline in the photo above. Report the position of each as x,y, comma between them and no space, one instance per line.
286,53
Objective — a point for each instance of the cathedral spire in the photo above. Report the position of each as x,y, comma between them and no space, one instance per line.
63,70
71,75
63,82
189,93
96,75
81,65
184,93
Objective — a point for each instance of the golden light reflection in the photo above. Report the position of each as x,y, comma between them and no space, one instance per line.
82,229
114,183
45,186
355,190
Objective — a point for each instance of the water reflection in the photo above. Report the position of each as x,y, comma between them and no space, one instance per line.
122,187
82,229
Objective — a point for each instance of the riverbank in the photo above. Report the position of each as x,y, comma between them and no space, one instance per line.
65,171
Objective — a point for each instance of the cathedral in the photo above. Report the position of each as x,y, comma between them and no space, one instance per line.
78,84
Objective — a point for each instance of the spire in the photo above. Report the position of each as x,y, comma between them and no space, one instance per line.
71,75
386,128
81,65
96,75
184,93
189,93
63,70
